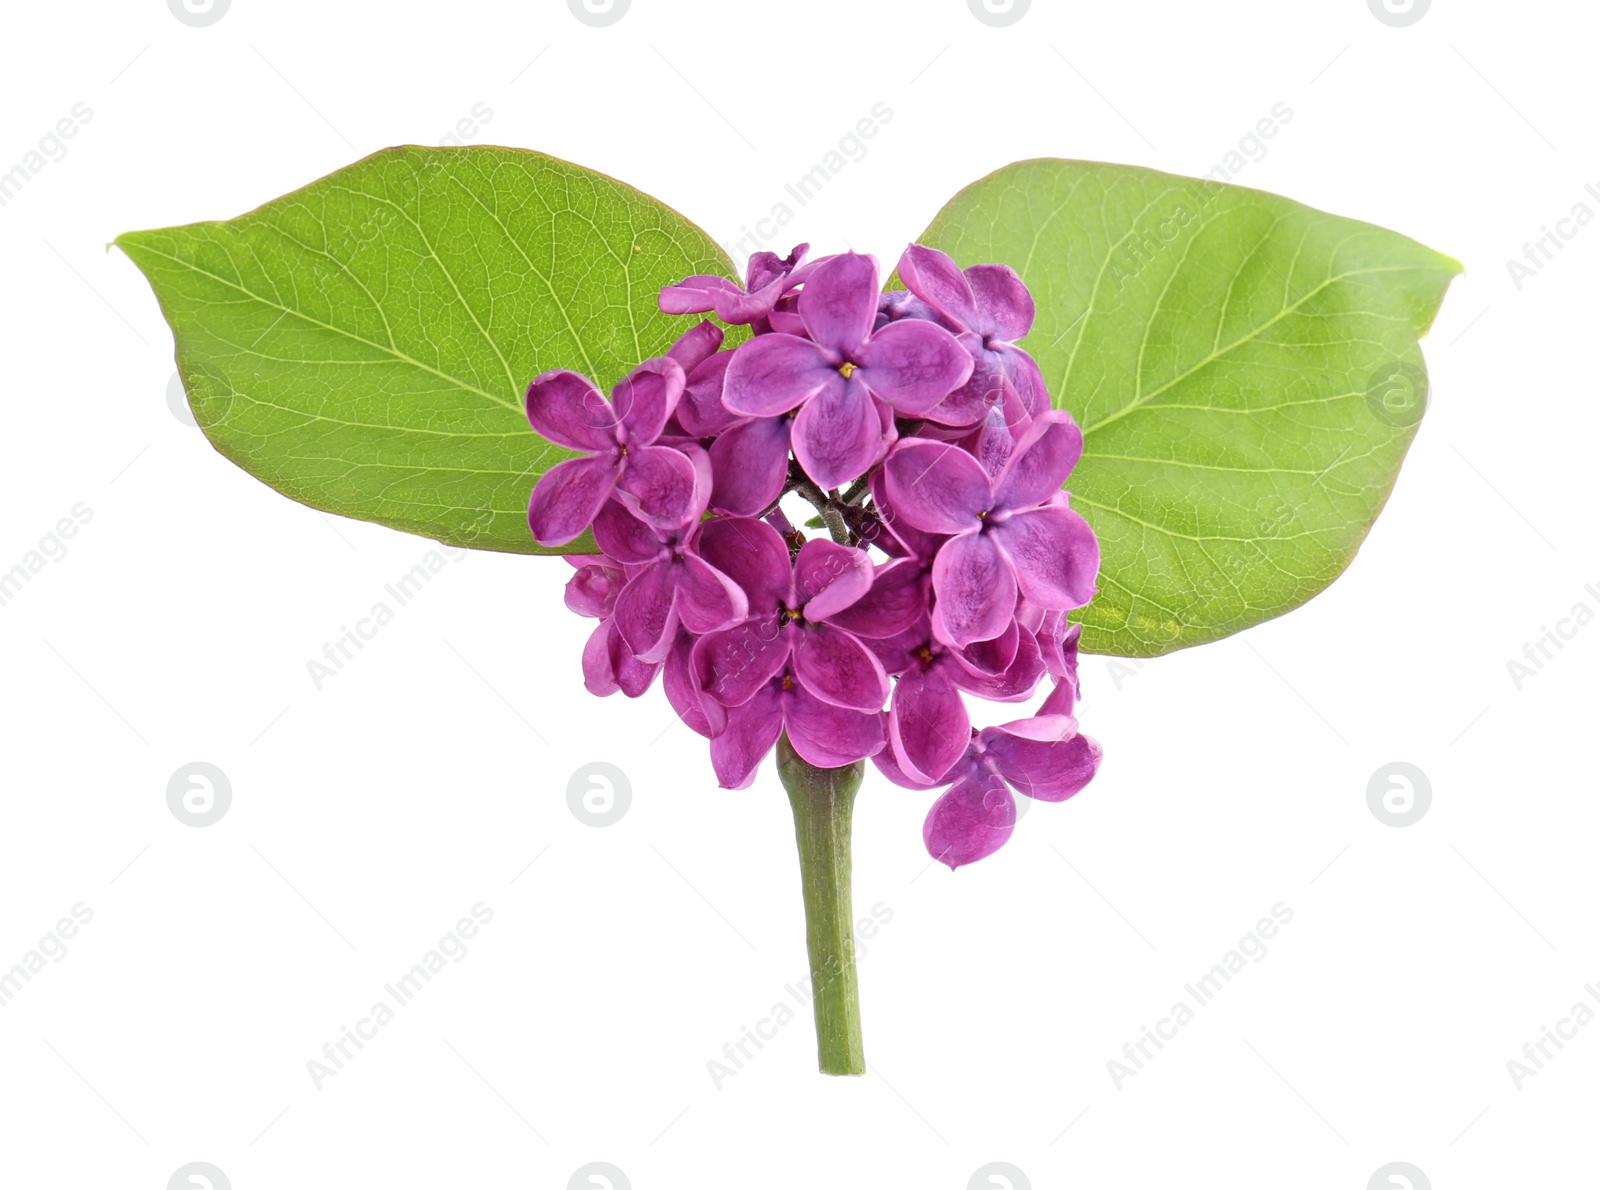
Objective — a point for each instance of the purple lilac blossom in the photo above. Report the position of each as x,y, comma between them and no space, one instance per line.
924,434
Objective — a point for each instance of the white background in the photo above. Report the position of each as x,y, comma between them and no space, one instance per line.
369,816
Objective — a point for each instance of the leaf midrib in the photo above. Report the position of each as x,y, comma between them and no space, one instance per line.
1143,400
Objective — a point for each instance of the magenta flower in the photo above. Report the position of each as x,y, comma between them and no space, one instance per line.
609,664
929,727
668,584
759,632
1044,757
1006,533
750,461
824,734
767,279
988,308
787,628
843,382
657,483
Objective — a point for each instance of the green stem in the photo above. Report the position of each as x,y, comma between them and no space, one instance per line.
822,800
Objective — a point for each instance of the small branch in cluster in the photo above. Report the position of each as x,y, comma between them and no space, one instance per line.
854,493
865,524
827,506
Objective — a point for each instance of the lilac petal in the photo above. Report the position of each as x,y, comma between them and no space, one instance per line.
890,768
708,600
914,365
568,497
900,652
829,736
696,345
609,665
1030,617
1058,641
902,537
634,675
733,664
599,674
751,731
567,409
977,592
829,577
767,280
896,304
1043,757
646,612
663,486
840,302
985,389
990,658
741,309
973,819
771,374
1062,699
838,434
1016,681
966,406
1027,382
625,537
993,443
787,322
897,599
839,669
763,268
936,486
928,724
700,410
752,554
934,278
1055,554
1005,307
683,692
732,303
694,295
592,591
646,398
751,464
1046,454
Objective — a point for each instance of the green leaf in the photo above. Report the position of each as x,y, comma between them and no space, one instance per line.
1245,369
364,344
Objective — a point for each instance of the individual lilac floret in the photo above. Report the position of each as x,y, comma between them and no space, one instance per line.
844,381
1044,757
768,278
658,483
609,664
823,734
929,727
787,628
786,668
1007,532
668,584
989,308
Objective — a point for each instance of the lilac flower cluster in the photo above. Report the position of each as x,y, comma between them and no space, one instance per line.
925,440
